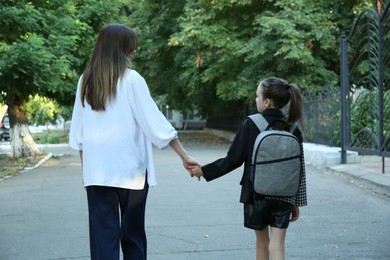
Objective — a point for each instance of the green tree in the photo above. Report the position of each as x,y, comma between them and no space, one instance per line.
42,110
44,46
155,22
241,42
207,52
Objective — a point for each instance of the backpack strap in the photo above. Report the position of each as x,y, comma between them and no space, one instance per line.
259,121
262,123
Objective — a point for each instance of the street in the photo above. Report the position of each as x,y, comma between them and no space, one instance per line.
43,215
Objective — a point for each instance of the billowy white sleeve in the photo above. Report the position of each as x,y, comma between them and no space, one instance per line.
152,122
76,127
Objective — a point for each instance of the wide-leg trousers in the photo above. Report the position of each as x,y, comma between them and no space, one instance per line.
117,217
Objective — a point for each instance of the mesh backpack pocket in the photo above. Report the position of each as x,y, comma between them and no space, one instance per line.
276,162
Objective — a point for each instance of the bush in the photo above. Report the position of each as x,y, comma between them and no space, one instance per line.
51,138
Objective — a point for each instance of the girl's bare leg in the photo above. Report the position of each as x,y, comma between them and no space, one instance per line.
262,242
276,244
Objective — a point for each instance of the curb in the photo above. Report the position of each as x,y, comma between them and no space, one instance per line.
363,183
26,169
356,174
47,157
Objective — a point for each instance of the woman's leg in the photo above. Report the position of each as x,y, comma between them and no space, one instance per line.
133,236
103,222
276,244
262,242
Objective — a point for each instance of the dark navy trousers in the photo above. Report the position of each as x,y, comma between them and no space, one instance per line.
117,217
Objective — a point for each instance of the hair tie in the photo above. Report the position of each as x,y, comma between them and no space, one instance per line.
287,85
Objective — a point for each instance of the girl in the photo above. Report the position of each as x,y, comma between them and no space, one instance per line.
268,216
117,160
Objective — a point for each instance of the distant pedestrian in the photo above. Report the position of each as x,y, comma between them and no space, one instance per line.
268,216
114,123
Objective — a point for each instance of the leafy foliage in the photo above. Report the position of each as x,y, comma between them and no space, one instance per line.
52,138
208,52
33,57
42,110
198,52
44,45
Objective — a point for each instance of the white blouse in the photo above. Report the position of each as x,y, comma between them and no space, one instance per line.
117,142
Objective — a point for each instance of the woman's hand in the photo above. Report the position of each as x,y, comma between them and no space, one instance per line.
189,163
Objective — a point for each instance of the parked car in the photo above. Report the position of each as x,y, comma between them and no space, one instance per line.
4,128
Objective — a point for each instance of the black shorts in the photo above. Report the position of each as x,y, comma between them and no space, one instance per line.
262,213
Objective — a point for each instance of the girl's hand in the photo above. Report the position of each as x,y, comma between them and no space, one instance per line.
294,213
189,162
196,171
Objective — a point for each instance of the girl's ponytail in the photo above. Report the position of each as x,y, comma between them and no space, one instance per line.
295,109
281,93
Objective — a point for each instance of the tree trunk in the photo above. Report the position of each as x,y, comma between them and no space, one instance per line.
22,143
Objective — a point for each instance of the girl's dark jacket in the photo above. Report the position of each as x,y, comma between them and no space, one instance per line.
240,152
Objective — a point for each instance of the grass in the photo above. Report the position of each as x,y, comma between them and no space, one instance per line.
10,166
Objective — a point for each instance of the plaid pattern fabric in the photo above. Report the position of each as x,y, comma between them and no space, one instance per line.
301,198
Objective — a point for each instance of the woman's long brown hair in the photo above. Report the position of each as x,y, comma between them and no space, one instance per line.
111,57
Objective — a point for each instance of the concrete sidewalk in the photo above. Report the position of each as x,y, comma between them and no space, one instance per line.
43,212
365,170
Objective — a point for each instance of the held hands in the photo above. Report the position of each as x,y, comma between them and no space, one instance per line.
197,171
190,163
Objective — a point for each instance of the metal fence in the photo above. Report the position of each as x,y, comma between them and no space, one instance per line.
365,64
321,116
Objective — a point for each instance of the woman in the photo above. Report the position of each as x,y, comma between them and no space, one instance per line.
114,123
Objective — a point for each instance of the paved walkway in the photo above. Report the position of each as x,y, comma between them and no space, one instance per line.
367,171
43,213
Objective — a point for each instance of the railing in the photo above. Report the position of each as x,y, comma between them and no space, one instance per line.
321,116
364,67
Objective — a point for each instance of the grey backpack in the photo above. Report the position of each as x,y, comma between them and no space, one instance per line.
276,161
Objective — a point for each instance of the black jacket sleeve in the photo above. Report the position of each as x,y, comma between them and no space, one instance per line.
239,152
